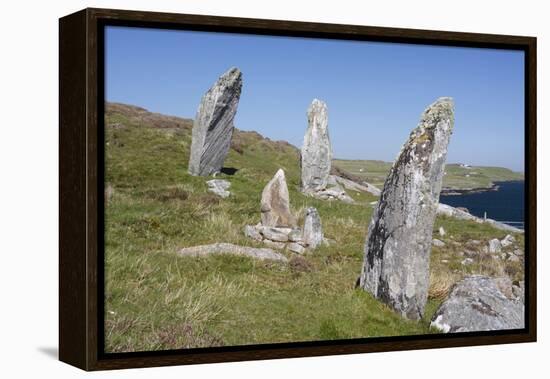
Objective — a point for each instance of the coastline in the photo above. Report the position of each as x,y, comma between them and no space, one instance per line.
449,191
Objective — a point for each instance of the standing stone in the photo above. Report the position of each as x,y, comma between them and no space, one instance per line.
398,246
275,203
316,154
213,125
313,231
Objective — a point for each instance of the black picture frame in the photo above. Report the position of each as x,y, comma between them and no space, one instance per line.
81,119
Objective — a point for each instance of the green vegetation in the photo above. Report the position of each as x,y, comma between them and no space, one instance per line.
456,177
155,299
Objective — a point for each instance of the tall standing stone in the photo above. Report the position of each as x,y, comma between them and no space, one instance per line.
398,246
275,203
316,154
213,125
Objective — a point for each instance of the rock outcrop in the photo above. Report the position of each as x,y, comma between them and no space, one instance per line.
275,203
313,230
213,125
398,246
231,249
219,187
461,214
481,303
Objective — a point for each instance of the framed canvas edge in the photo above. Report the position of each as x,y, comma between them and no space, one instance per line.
79,344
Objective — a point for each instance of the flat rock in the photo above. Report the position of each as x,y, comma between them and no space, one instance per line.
213,124
313,230
275,234
399,240
295,235
219,187
296,248
231,249
275,203
274,244
316,152
481,303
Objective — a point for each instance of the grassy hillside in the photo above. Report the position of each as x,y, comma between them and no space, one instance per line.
155,299
456,177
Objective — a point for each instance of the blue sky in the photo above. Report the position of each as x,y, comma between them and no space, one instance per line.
375,92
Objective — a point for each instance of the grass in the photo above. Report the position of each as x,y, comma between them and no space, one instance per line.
155,299
456,176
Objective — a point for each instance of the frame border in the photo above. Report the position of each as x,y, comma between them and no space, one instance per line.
81,158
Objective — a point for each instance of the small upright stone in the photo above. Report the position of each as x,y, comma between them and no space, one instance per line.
313,230
275,203
213,125
316,153
398,246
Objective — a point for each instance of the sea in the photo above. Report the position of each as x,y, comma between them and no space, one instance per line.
505,205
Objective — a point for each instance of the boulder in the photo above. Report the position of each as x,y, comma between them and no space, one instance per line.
399,240
296,248
438,243
213,124
295,235
252,232
481,303
313,230
495,246
275,203
316,153
219,187
507,241
275,234
442,231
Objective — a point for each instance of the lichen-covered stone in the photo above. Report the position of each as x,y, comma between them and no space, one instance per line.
313,230
275,203
213,125
219,187
316,153
398,244
480,303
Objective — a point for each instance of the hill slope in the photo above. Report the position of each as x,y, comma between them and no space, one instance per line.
457,176
155,299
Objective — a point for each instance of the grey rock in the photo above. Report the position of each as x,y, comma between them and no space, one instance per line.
494,246
507,241
219,187
316,153
335,192
275,234
109,192
231,249
251,231
351,185
480,303
296,248
275,203
313,230
518,252
467,261
213,124
513,258
438,243
274,244
295,235
398,246
442,231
